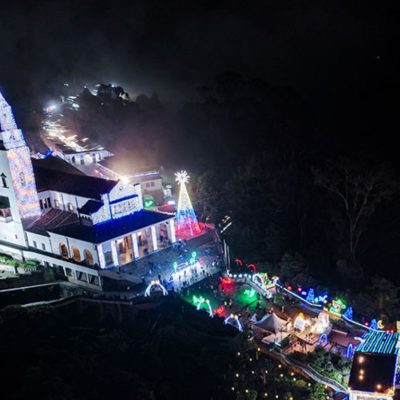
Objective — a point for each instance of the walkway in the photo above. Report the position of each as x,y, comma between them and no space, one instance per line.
311,373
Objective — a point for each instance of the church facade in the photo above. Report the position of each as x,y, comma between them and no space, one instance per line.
54,213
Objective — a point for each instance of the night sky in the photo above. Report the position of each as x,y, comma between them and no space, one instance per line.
334,52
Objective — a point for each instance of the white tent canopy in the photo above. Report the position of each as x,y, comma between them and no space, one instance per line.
271,323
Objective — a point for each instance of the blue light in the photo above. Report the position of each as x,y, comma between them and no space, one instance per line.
350,351
323,340
374,324
348,313
310,296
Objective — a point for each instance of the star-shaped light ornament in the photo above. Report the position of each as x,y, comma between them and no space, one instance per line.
182,177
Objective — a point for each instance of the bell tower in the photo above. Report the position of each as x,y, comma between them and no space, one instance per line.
18,194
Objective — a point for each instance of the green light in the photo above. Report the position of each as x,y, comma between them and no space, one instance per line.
148,202
250,293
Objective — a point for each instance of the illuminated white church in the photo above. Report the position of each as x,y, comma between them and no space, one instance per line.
53,213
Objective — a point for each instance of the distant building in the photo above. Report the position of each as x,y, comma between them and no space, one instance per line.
52,212
374,371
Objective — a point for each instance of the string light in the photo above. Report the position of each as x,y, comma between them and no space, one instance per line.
19,158
186,221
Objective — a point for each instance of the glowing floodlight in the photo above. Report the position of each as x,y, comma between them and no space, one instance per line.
300,322
322,323
154,285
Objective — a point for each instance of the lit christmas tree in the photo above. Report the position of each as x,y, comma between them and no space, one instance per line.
187,225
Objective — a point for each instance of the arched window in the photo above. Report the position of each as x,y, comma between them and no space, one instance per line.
76,255
64,250
88,256
56,203
70,207
73,160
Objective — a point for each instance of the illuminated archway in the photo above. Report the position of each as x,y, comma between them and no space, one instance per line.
233,320
201,301
154,285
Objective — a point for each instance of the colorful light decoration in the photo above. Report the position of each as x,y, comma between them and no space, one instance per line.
374,324
155,284
220,310
337,307
348,314
187,225
350,351
233,320
123,199
379,342
19,159
323,340
300,322
193,258
199,301
310,295
238,262
322,323
261,279
250,293
252,267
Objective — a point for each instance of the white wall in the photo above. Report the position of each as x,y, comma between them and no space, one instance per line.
64,199
56,239
42,242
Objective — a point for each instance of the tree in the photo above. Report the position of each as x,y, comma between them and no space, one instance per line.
207,196
290,265
385,295
358,190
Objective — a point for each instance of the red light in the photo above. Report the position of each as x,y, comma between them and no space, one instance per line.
226,281
299,289
366,323
219,311
252,266
290,288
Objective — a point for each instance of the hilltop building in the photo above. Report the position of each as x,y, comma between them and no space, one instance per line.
52,212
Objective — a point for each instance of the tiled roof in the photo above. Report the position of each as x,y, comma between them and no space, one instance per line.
62,177
51,219
111,229
90,207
